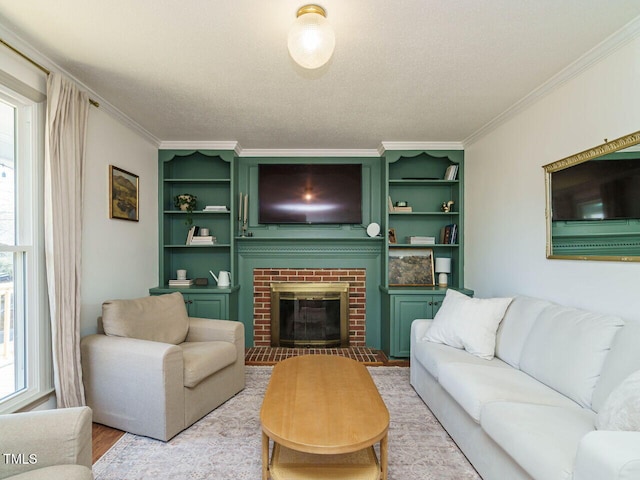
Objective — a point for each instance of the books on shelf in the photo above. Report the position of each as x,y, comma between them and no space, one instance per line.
395,208
452,171
208,240
419,240
449,234
181,283
193,237
215,208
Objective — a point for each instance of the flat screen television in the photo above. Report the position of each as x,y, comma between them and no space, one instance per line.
597,190
310,193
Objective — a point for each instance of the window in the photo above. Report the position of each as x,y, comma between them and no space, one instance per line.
25,359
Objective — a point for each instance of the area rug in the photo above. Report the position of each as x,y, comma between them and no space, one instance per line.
226,444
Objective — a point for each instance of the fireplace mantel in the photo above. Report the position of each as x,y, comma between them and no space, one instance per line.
320,253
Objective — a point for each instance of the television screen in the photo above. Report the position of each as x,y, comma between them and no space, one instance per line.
597,190
318,193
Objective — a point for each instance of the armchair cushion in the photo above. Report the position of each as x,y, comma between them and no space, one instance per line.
59,440
161,318
61,472
202,359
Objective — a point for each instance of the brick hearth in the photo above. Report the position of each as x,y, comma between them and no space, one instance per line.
263,277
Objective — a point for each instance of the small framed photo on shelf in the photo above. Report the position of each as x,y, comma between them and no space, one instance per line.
411,267
392,236
123,194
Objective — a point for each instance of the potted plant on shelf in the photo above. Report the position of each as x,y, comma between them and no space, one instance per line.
187,203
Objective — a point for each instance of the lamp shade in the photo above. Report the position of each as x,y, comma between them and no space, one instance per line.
443,265
311,39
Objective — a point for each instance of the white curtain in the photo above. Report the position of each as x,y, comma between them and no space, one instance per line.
65,138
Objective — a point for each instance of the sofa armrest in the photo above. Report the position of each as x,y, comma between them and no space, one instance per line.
134,385
44,438
208,330
608,455
419,327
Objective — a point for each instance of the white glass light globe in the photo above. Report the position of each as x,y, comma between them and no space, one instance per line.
311,40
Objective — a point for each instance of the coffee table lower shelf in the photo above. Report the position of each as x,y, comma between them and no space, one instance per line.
287,464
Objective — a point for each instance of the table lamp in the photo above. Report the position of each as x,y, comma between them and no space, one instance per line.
443,267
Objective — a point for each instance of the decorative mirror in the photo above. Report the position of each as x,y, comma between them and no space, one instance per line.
593,203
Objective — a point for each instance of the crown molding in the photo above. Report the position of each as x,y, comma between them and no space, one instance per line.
605,48
311,152
307,152
21,45
389,146
200,145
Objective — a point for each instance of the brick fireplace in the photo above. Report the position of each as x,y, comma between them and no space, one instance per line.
264,277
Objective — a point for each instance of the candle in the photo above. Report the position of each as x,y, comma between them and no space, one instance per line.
240,207
246,207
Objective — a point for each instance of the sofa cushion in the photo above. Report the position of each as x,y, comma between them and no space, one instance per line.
621,361
161,318
202,359
469,323
432,355
542,439
621,411
566,349
515,327
474,386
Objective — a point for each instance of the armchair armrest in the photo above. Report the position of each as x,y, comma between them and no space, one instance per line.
207,330
608,455
134,385
45,438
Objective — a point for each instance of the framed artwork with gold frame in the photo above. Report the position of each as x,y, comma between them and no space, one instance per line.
411,267
123,194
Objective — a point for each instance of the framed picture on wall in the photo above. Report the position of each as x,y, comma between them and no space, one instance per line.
411,267
123,194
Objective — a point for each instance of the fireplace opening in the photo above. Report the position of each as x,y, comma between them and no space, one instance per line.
310,314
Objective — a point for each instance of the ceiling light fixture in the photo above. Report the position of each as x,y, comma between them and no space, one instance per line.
311,38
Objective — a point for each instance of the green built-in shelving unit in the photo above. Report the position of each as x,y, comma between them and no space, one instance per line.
208,175
418,178
217,177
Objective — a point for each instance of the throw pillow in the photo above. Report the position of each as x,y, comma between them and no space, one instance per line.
621,409
161,318
469,323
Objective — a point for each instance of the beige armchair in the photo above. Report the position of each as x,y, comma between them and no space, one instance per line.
46,445
156,371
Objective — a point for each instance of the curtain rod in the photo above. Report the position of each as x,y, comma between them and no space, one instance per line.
36,64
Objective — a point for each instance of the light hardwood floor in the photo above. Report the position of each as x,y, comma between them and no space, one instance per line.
103,439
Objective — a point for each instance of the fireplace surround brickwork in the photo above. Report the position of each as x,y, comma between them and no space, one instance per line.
264,277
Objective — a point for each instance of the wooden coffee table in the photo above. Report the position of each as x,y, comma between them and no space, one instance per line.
323,404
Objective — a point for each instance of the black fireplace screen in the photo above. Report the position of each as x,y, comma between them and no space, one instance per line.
308,314
309,321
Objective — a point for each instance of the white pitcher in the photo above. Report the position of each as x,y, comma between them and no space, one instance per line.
223,278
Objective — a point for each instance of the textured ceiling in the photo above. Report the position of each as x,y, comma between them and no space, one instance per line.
407,70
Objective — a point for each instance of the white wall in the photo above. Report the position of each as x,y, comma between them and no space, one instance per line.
505,198
120,258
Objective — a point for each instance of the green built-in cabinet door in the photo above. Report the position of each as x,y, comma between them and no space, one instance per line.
207,306
202,303
405,309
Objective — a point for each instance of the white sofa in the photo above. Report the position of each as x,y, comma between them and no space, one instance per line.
544,406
